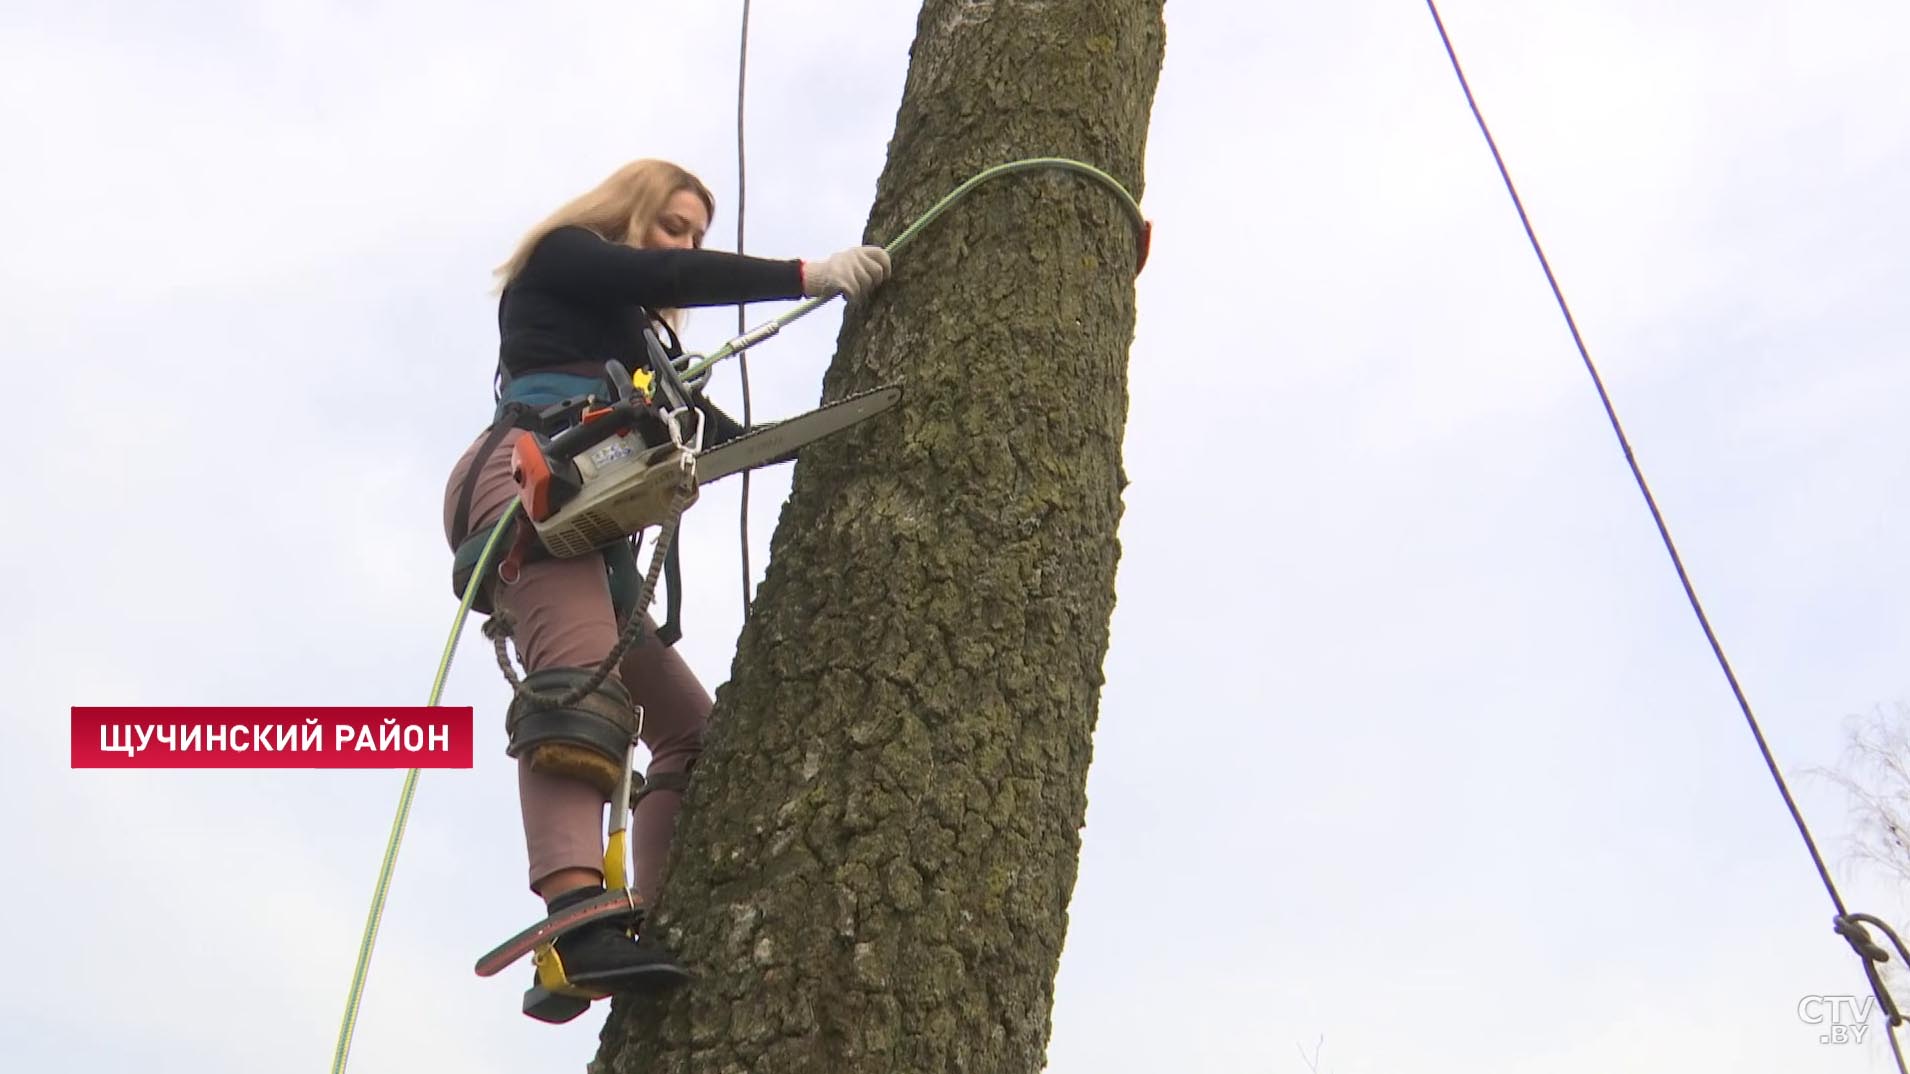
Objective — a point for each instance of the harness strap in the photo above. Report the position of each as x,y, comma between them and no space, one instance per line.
512,415
672,627
661,781
465,560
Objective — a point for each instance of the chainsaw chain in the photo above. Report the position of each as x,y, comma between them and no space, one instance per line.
768,427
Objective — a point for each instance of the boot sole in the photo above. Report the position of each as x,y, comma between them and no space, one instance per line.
553,1007
639,978
557,1008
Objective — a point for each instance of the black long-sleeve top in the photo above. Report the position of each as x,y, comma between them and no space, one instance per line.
580,300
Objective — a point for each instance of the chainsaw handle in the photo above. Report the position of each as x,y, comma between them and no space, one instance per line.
593,428
669,385
620,379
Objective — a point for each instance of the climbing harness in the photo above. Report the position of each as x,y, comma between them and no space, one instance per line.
624,435
1846,924
552,477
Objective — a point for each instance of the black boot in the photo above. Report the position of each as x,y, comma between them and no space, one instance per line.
601,955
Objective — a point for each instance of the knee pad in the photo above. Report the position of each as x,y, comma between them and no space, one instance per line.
588,740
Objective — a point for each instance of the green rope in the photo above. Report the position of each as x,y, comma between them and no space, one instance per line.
405,797
908,235
385,868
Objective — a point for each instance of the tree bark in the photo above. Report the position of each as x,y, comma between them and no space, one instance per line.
874,863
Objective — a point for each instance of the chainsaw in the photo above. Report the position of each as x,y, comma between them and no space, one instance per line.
617,466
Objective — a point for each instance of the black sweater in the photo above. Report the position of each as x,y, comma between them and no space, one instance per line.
580,300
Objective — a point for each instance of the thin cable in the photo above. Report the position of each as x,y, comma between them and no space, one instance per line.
1664,533
742,360
1650,501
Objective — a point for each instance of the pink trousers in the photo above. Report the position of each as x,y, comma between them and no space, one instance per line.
564,618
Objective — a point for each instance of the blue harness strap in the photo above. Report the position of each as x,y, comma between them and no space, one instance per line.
539,390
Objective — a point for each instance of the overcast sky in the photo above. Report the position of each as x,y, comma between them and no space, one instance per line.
1409,740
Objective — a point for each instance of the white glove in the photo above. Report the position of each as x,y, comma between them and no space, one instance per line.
854,272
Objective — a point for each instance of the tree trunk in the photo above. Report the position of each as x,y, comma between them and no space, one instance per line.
874,863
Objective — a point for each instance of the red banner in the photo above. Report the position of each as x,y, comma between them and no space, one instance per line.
284,737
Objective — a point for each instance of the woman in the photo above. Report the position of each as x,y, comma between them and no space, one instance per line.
581,289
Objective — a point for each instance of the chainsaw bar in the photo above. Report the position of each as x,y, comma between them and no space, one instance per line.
613,903
771,442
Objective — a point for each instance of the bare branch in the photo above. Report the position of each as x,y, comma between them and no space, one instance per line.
1875,773
1313,1062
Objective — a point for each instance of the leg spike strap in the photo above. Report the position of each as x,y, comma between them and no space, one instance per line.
662,781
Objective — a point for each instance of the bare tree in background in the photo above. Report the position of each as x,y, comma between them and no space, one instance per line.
1876,774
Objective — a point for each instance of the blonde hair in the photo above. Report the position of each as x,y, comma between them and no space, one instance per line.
619,209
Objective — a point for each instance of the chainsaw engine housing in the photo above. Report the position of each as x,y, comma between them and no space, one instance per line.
623,486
